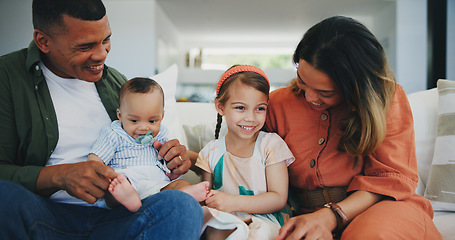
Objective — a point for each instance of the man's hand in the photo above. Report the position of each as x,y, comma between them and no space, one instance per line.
176,157
85,180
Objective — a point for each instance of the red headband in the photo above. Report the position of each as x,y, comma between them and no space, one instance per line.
239,69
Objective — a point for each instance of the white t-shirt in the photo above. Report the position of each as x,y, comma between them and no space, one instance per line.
80,117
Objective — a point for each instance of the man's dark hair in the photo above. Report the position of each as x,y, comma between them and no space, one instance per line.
48,13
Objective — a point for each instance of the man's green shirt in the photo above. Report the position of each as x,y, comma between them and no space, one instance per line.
28,123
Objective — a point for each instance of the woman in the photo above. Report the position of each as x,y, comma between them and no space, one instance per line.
350,128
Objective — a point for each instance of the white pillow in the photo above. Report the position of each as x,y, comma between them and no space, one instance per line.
440,188
424,105
168,82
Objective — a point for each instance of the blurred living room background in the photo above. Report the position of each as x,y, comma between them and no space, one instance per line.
205,37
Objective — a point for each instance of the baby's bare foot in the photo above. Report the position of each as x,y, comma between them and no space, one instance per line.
124,193
198,191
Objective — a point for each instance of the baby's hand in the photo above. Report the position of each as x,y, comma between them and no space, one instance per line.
220,201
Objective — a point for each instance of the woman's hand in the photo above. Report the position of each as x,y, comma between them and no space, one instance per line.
221,201
320,224
312,226
176,157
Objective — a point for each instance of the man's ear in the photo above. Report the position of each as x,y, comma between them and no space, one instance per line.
41,40
219,107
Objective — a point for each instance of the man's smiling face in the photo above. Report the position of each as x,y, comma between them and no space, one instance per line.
79,49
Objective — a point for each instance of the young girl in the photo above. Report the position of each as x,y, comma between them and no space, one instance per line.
247,168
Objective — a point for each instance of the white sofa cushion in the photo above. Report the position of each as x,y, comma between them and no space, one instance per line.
440,187
424,105
168,82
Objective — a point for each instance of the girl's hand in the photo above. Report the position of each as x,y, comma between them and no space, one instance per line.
221,201
317,225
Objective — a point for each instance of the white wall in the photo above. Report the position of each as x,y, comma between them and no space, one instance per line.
385,30
411,61
133,36
168,41
16,29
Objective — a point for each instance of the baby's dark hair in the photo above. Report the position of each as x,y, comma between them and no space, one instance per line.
139,85
249,78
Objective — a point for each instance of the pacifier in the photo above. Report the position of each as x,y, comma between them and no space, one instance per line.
146,138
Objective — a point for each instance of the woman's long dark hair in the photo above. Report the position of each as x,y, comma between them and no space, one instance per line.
352,57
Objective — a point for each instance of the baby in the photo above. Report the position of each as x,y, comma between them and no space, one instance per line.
127,145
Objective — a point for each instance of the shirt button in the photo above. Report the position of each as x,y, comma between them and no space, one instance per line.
324,117
312,163
321,141
37,67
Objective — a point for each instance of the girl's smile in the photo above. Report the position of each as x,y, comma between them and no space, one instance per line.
244,112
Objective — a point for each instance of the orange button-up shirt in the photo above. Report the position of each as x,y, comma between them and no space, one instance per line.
313,136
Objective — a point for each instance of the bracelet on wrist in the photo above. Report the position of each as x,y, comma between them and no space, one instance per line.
342,219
